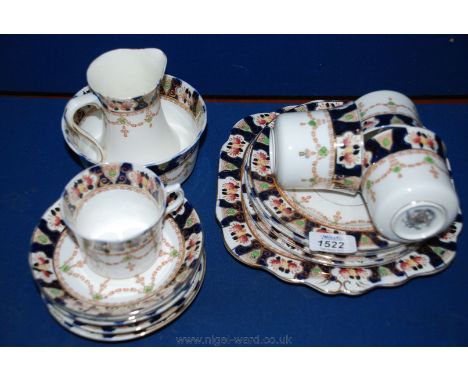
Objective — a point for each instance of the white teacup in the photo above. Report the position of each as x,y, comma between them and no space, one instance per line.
386,107
115,212
408,190
319,149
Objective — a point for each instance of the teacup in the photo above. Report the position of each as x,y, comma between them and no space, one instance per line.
124,85
406,183
115,212
319,149
386,107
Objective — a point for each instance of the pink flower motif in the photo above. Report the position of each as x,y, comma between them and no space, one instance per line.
354,273
369,123
349,152
261,162
235,146
42,267
239,233
230,191
285,266
413,262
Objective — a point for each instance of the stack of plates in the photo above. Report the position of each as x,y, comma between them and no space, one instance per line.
267,227
117,310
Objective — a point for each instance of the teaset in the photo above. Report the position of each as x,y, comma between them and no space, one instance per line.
121,253
341,197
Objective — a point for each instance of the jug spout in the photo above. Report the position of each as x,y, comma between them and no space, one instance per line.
156,61
123,74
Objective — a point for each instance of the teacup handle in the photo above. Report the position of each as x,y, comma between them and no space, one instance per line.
179,200
72,107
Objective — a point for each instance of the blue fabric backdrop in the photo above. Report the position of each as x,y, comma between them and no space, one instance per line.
293,65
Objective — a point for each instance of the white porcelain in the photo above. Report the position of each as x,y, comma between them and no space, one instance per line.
129,331
428,258
115,212
125,87
80,281
385,102
184,110
302,150
410,195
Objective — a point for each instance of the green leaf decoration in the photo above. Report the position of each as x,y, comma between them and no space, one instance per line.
255,254
396,120
438,250
148,288
316,271
386,142
312,123
122,120
300,223
174,253
383,271
97,297
65,268
369,184
323,152
396,169
231,212
43,239
54,292
245,127
429,160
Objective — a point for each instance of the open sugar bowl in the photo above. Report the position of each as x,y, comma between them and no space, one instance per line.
157,124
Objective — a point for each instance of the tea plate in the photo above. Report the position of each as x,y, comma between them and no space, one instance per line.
138,321
46,238
80,281
268,232
121,333
430,257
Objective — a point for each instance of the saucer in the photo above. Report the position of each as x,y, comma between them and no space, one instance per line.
184,110
161,318
432,256
81,282
296,213
139,321
46,238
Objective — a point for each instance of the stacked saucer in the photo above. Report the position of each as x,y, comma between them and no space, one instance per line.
267,227
104,309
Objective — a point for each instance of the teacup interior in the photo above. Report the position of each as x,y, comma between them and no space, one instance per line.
117,215
126,73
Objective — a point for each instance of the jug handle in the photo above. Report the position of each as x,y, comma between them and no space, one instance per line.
72,107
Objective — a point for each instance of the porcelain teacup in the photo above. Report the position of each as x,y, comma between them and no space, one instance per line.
124,85
319,149
386,107
115,212
406,183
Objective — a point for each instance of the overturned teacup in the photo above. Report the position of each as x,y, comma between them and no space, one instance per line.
406,183
115,212
319,149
